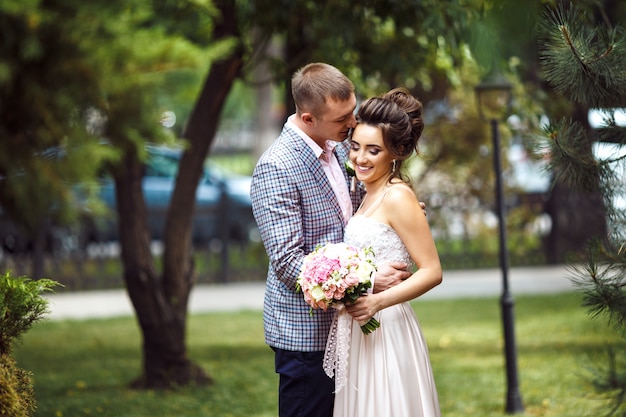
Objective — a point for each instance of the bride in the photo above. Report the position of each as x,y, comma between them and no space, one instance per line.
388,371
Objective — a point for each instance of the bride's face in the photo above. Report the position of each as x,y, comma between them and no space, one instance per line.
370,158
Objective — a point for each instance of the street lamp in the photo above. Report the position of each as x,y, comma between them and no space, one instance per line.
494,96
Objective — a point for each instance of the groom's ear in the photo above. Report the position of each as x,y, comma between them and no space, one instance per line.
307,118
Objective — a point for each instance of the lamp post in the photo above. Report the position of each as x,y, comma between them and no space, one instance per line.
494,96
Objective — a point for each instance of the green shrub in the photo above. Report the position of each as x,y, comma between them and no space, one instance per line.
21,305
17,396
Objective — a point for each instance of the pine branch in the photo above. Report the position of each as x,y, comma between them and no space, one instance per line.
602,283
582,62
570,160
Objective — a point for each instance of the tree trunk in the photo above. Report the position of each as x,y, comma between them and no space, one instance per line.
161,302
577,218
161,316
39,248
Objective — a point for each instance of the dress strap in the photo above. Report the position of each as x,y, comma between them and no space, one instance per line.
380,199
374,205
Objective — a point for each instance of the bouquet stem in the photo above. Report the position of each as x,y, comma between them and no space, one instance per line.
370,326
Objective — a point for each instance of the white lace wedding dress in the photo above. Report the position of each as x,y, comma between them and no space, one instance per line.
389,372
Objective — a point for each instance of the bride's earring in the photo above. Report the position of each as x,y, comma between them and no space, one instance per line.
352,184
393,167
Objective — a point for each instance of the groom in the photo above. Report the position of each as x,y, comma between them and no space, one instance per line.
301,198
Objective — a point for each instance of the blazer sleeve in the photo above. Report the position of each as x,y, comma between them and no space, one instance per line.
276,206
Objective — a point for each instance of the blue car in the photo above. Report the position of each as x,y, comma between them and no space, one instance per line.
223,206
223,209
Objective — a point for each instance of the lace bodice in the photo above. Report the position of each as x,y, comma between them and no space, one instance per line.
362,231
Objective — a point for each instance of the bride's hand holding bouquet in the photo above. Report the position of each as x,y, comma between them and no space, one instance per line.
337,273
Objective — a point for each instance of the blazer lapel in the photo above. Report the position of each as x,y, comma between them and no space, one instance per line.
307,156
320,177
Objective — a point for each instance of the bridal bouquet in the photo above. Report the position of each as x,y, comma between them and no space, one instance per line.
337,273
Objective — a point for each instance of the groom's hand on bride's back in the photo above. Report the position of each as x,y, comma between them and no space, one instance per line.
390,274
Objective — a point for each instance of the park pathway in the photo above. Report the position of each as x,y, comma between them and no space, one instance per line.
249,296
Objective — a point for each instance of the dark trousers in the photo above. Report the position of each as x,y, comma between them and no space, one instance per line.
304,389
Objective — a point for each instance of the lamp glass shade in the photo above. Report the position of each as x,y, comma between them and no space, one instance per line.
494,96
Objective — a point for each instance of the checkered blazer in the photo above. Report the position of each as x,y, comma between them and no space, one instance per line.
296,209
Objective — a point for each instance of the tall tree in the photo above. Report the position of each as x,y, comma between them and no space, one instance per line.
161,300
584,62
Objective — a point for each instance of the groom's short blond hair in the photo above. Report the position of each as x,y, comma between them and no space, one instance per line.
315,83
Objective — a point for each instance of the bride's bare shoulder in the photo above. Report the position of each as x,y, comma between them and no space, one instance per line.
400,191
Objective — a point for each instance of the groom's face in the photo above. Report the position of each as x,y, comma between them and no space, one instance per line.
335,121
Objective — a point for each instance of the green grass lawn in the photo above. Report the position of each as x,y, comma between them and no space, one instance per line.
82,368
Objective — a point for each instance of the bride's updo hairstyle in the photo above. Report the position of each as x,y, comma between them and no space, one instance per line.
399,117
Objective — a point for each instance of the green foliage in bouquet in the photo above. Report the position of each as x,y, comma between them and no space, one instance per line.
21,305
